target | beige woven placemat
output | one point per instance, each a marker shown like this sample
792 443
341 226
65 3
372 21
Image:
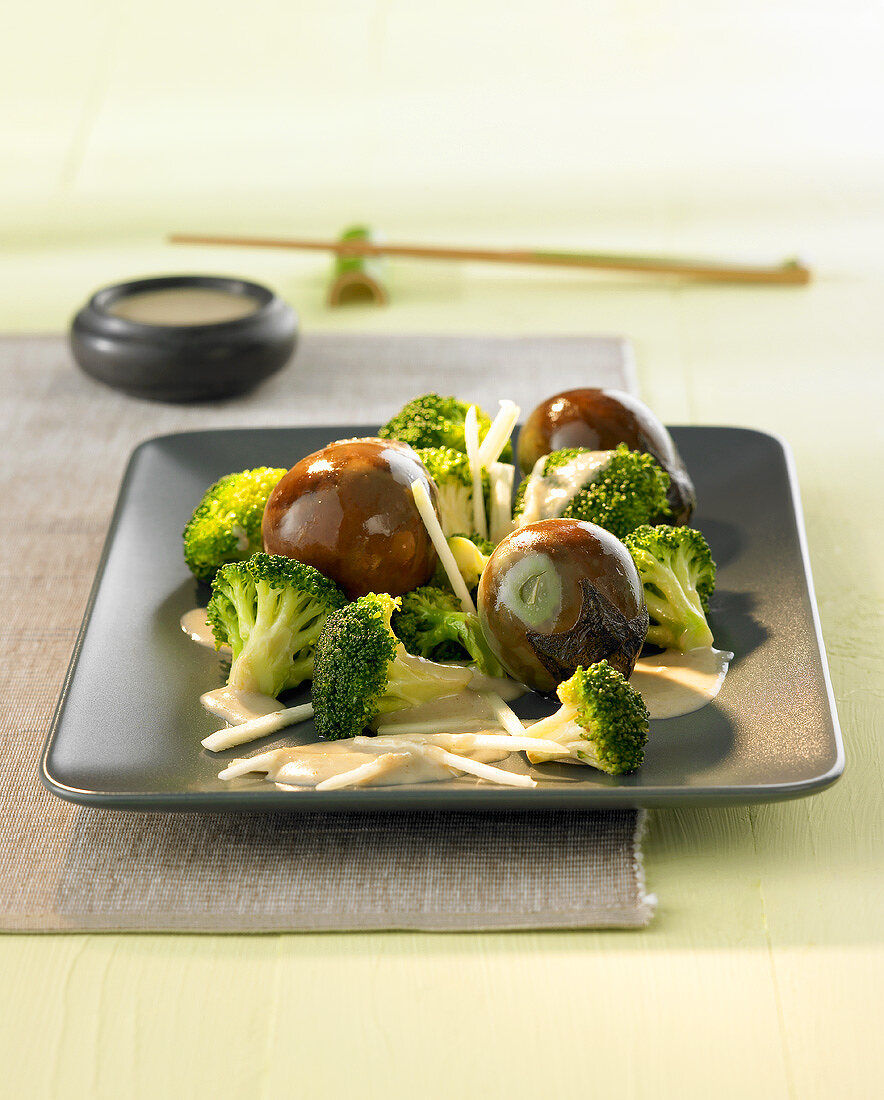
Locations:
65 443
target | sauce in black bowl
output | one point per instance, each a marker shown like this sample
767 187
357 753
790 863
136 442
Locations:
184 337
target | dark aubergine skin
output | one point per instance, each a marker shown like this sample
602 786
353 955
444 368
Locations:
560 594
598 420
348 511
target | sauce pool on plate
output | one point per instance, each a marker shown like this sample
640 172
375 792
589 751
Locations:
674 683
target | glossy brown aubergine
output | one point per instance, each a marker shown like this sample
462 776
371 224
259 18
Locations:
559 594
348 510
599 419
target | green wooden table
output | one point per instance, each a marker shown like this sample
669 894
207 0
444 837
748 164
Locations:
743 129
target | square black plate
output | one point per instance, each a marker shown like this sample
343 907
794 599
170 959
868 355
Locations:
128 726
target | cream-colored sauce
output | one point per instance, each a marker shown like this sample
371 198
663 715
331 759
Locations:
506 688
196 626
235 706
456 676
671 684
409 768
308 765
454 712
674 683
184 305
547 497
466 711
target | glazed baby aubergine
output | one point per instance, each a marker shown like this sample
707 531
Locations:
599 419
558 595
348 511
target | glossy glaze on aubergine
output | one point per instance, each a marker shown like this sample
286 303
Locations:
559 594
348 511
599 419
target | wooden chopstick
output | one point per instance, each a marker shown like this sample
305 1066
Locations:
791 272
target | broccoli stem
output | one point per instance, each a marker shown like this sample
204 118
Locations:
471 435
677 612
563 728
282 616
413 679
455 508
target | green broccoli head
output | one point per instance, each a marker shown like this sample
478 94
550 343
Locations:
226 525
629 489
450 470
446 465
435 421
431 623
602 721
270 610
678 575
362 670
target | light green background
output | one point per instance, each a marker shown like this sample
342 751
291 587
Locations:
734 130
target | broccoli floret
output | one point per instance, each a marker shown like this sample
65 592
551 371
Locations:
435 421
602 721
450 470
470 555
431 623
628 492
226 525
363 670
270 610
623 494
445 464
678 574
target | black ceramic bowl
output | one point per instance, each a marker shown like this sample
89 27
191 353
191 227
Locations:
184 362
